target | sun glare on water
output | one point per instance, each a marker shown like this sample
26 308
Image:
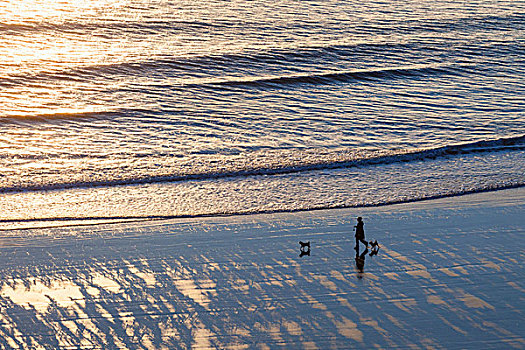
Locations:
43 41
27 11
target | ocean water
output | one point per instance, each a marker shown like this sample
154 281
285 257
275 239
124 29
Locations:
117 110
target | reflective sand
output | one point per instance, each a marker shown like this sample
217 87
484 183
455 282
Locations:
448 275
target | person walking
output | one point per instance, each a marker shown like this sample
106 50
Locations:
360 233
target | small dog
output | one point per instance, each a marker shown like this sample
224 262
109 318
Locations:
375 248
305 248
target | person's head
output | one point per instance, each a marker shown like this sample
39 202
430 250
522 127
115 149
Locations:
359 219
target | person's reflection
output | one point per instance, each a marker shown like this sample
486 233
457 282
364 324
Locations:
360 258
360 262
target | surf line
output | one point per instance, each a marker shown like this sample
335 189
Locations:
107 220
498 145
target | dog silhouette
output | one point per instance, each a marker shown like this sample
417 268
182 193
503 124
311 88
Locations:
375 248
305 248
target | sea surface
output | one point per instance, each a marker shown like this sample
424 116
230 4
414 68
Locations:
115 110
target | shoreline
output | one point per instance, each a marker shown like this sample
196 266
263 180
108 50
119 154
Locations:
111 220
448 275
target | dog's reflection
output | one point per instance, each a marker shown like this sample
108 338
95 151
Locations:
305 248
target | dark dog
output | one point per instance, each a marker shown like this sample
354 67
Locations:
305 248
374 244
375 248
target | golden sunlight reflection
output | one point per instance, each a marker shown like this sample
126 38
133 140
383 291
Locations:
28 11
44 48
101 281
50 42
40 294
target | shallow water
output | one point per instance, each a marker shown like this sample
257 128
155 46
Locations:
144 108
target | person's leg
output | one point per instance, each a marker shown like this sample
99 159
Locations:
364 242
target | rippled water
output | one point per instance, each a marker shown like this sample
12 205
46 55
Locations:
137 108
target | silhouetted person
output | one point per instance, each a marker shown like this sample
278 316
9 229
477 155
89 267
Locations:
360 233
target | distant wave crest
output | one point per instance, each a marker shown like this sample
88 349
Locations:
334 76
56 116
298 64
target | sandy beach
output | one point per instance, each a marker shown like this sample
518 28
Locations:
448 275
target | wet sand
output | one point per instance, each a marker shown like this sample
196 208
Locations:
449 274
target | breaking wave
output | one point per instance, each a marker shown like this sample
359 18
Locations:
65 221
382 158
